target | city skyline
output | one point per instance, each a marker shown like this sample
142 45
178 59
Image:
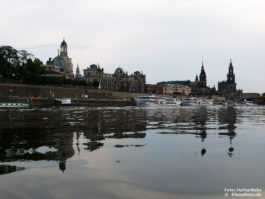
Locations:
165 39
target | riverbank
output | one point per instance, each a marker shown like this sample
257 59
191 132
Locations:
43 96
37 91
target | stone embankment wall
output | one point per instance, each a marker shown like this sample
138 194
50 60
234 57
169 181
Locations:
82 102
27 91
43 96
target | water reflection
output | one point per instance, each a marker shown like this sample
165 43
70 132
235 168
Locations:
54 130
23 135
227 119
5 169
167 149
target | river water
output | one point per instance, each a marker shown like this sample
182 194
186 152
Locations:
132 152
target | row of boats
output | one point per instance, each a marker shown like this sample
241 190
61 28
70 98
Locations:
189 101
62 101
143 100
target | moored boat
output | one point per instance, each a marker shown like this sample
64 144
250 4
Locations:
205 102
146 100
14 105
188 102
169 101
64 101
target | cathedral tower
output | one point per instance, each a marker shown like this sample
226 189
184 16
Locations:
63 50
203 81
77 73
231 75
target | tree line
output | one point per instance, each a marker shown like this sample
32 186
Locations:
19 66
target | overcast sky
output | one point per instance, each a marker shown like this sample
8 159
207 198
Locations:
166 39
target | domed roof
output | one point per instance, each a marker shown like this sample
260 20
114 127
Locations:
137 73
59 62
118 71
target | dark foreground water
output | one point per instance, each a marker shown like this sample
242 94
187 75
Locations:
132 152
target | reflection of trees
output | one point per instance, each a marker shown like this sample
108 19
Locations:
23 135
23 144
5 169
227 118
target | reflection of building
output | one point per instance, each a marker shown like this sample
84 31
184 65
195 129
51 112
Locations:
228 116
228 87
60 66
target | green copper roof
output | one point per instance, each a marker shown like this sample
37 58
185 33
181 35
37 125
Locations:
59 62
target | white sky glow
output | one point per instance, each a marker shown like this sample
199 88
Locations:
165 38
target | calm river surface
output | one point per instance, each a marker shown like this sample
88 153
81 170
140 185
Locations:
131 152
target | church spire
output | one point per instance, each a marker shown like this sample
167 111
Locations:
231 75
203 76
77 73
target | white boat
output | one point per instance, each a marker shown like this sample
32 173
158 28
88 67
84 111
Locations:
146 100
169 101
189 102
64 101
205 102
14 105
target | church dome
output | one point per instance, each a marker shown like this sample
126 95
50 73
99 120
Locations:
118 71
59 61
137 73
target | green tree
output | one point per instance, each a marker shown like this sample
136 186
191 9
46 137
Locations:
9 61
32 70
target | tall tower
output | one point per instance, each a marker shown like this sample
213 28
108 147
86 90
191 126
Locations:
231 75
203 81
63 51
196 79
77 73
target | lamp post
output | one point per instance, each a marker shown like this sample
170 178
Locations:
10 91
51 94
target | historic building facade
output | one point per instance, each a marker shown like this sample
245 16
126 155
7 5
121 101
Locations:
93 73
197 87
154 88
228 88
176 89
119 81
61 65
